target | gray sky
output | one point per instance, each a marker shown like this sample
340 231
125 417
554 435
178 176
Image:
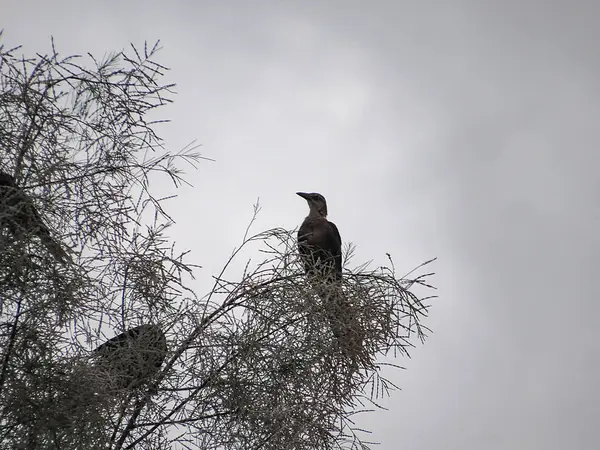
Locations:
468 130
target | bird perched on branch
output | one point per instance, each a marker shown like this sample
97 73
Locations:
133 357
319 241
320 246
19 216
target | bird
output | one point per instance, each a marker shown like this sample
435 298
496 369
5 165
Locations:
133 357
319 241
19 216
320 247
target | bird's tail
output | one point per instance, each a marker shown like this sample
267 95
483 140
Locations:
345 326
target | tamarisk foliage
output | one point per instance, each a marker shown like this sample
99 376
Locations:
249 363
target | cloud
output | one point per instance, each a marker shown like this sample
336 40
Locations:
471 128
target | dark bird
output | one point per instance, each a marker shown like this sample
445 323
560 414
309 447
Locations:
19 216
319 241
133 357
320 246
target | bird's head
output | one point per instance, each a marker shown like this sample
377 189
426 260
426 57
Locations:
316 203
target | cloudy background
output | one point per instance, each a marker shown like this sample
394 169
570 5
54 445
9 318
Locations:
463 130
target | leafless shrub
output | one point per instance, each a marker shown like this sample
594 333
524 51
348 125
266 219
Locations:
252 364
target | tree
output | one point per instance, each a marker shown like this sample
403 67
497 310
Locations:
251 364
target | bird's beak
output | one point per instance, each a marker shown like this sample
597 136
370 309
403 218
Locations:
304 195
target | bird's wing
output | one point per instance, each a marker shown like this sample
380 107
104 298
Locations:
336 233
337 254
304 249
303 236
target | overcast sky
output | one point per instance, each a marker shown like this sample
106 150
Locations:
465 130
